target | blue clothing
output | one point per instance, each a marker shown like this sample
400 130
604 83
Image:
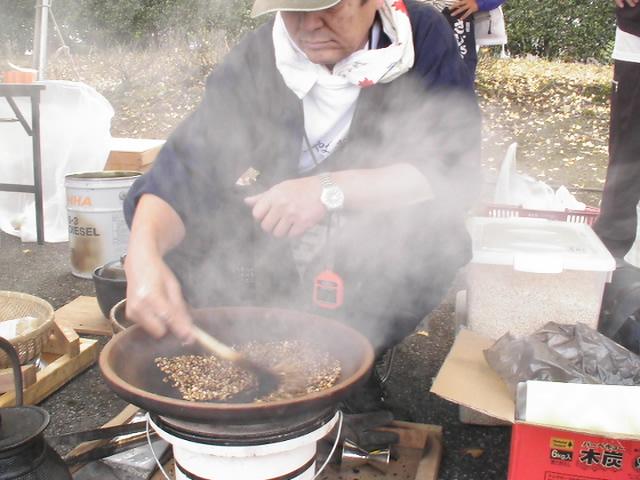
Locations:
249 118
486 5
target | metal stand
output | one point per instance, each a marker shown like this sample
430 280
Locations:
9 91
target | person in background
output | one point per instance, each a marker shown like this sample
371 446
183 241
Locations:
460 14
617 224
324 171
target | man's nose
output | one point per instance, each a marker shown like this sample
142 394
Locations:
311 21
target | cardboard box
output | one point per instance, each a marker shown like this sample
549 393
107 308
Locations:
538 452
133 154
555 454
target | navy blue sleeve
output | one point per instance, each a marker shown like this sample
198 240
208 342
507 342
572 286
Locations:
486 5
438 58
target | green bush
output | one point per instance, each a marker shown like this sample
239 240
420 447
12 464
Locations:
571 30
125 22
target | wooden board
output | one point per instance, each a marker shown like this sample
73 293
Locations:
133 153
7 382
84 315
59 370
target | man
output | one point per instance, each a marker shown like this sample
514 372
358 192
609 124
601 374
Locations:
357 120
461 17
616 225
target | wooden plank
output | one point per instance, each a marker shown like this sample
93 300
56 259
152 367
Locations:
84 316
56 374
63 340
169 467
7 382
429 465
121 418
133 153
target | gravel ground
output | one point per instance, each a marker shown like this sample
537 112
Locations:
470 453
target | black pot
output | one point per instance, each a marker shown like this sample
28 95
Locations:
24 454
111 285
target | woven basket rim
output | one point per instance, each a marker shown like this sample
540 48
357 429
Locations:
46 324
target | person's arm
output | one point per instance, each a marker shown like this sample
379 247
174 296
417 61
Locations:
154 295
291 207
631 3
486 5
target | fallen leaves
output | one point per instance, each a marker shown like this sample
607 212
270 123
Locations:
557 112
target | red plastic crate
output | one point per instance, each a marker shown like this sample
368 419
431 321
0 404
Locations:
587 216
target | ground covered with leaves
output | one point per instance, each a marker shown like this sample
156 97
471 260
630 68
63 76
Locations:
557 112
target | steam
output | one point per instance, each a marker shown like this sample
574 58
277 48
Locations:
396 264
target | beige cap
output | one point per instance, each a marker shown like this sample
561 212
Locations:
260 7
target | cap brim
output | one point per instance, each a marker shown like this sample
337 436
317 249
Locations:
260 7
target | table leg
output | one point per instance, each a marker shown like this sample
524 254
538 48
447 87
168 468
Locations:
37 165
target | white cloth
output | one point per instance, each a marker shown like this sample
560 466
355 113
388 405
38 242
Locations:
489 28
329 97
627 47
75 122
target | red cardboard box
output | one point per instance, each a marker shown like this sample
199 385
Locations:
543 453
538 452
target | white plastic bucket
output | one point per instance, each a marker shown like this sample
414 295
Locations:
293 459
98 232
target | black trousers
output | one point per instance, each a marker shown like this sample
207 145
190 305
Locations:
617 223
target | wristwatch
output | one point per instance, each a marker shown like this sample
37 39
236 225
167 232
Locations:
332 195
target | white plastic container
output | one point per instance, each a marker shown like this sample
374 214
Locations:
526 272
98 232
293 459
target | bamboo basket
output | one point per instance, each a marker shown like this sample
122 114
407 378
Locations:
14 305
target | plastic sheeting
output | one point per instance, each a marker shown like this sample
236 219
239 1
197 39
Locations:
563 353
75 122
513 188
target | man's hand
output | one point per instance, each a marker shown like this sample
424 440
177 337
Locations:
154 296
631 3
465 8
289 208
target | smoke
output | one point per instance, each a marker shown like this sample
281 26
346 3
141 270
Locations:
396 263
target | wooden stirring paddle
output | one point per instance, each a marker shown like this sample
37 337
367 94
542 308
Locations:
268 380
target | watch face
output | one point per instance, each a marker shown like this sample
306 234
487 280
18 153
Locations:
332 197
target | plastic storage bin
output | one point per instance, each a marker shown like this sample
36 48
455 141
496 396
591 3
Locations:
526 272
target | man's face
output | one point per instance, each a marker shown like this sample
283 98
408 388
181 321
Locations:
328 36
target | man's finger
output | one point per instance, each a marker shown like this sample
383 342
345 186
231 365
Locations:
148 317
282 228
180 321
260 209
458 11
466 15
270 221
251 201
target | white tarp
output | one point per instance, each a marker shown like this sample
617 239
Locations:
75 122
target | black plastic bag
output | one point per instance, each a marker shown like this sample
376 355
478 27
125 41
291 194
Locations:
563 353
